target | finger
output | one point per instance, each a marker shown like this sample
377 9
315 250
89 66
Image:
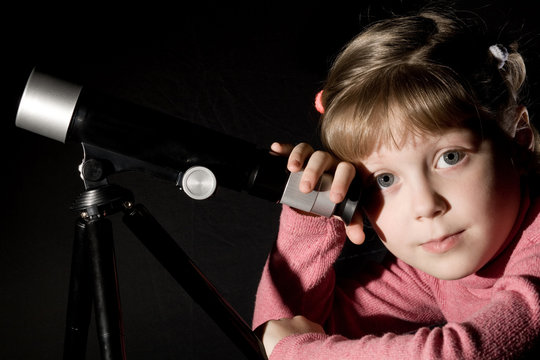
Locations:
355 230
298 156
281 148
343 176
318 163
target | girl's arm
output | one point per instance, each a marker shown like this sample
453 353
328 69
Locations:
298 276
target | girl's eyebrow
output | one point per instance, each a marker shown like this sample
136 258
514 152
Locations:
468 136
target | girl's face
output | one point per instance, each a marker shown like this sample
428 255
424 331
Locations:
444 204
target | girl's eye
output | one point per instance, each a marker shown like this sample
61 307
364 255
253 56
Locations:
449 158
385 180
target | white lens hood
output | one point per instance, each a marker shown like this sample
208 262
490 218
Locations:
47 106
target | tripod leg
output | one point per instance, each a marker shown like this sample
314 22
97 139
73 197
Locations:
79 300
185 272
102 261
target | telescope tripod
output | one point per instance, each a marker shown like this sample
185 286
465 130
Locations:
94 277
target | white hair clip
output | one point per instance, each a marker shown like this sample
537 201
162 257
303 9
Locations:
500 53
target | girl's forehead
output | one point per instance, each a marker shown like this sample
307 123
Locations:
398 130
398 127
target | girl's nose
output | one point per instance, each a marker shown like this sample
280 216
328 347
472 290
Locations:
427 203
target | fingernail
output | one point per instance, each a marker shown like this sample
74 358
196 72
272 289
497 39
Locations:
295 164
305 186
336 197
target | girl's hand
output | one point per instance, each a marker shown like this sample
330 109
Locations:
275 330
319 162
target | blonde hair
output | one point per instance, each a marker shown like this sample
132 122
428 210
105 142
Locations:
435 72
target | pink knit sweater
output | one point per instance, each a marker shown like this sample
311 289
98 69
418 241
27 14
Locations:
393 311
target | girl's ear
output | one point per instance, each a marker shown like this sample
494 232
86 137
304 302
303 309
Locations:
521 129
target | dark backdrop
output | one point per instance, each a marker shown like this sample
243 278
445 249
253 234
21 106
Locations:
250 71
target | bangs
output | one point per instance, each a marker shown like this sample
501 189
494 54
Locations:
390 105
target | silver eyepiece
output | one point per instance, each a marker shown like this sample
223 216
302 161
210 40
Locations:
317 202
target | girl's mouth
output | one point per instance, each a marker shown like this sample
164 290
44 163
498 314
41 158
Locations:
442 244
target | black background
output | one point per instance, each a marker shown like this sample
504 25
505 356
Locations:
247 70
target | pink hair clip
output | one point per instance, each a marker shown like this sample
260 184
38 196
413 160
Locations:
318 102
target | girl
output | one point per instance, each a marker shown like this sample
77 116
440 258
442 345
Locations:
426 110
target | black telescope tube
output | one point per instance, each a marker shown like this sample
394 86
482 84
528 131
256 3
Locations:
173 143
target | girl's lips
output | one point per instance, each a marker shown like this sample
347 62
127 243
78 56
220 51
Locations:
442 244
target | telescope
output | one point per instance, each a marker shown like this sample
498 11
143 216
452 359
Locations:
125 136
118 136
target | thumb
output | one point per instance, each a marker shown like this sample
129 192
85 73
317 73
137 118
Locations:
355 230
